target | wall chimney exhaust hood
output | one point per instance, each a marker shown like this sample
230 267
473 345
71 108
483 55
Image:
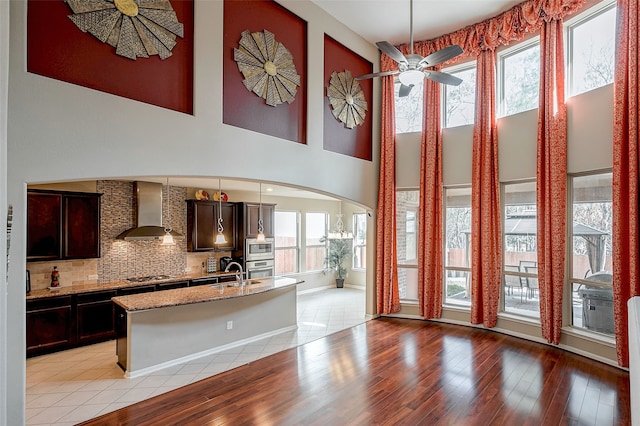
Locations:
148 214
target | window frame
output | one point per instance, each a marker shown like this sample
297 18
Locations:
500 83
324 244
569 26
455 69
298 239
356 236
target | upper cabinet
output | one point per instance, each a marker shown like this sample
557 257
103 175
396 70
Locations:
62 225
202 225
252 215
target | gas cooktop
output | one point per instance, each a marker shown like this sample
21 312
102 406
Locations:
148 278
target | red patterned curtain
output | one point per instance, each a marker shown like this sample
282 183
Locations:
430 256
388 298
486 231
551 178
626 171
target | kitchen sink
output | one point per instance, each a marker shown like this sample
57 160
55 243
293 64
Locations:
243 283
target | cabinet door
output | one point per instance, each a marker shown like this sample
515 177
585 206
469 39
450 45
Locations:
201 226
135 290
44 226
169 286
49 325
81 226
252 215
95 315
229 225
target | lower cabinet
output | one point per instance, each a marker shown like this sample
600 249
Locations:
50 325
169 286
94 313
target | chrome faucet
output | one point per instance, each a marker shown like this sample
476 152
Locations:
238 275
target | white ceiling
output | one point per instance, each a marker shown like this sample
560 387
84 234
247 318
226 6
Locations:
389 20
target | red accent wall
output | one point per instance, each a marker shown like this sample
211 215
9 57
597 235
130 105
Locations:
242 108
56 48
356 142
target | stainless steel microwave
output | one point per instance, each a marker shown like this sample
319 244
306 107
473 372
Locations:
263 250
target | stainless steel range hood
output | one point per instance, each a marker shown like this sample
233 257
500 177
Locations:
148 214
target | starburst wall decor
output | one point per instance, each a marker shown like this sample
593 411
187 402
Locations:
348 104
136 28
267 67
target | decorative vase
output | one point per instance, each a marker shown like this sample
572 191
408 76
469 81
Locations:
339 282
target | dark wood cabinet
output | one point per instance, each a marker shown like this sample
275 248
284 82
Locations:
203 281
202 225
49 324
135 290
94 314
62 225
252 215
171 285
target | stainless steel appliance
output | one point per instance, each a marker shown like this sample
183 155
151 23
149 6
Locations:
255 250
260 268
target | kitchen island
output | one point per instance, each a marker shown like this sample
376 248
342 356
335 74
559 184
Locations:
165 328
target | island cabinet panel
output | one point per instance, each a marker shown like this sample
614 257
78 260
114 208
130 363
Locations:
62 225
95 312
121 336
252 215
49 325
202 225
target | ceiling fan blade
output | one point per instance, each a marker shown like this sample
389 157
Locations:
443 77
376 74
391 51
404 90
441 56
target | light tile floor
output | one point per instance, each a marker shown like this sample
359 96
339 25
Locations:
68 387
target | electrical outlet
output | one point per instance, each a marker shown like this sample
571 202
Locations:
93 277
229 325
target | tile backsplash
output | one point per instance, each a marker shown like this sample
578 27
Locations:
123 259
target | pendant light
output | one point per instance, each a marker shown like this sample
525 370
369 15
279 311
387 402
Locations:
339 232
220 239
260 237
167 239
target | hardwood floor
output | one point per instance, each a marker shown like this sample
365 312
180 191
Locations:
396 371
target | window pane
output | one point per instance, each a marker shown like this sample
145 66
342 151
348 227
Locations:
459 101
409 109
315 230
406 243
287 244
521 294
592 296
521 79
359 241
458 246
592 52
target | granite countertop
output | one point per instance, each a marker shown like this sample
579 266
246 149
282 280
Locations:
114 285
204 293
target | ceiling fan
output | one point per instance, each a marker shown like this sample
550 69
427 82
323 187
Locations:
412 68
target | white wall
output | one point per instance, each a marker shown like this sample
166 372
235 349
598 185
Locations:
58 131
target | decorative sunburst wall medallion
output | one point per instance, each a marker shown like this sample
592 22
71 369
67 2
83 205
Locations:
348 104
267 67
136 28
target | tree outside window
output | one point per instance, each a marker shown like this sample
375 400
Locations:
459 101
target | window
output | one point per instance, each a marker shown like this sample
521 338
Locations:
359 260
409 109
519 78
407 243
457 246
591 50
287 242
521 295
459 101
316 248
591 290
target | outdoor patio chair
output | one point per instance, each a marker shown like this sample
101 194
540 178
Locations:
532 282
511 281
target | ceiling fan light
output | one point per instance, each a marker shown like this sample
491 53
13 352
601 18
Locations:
411 77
